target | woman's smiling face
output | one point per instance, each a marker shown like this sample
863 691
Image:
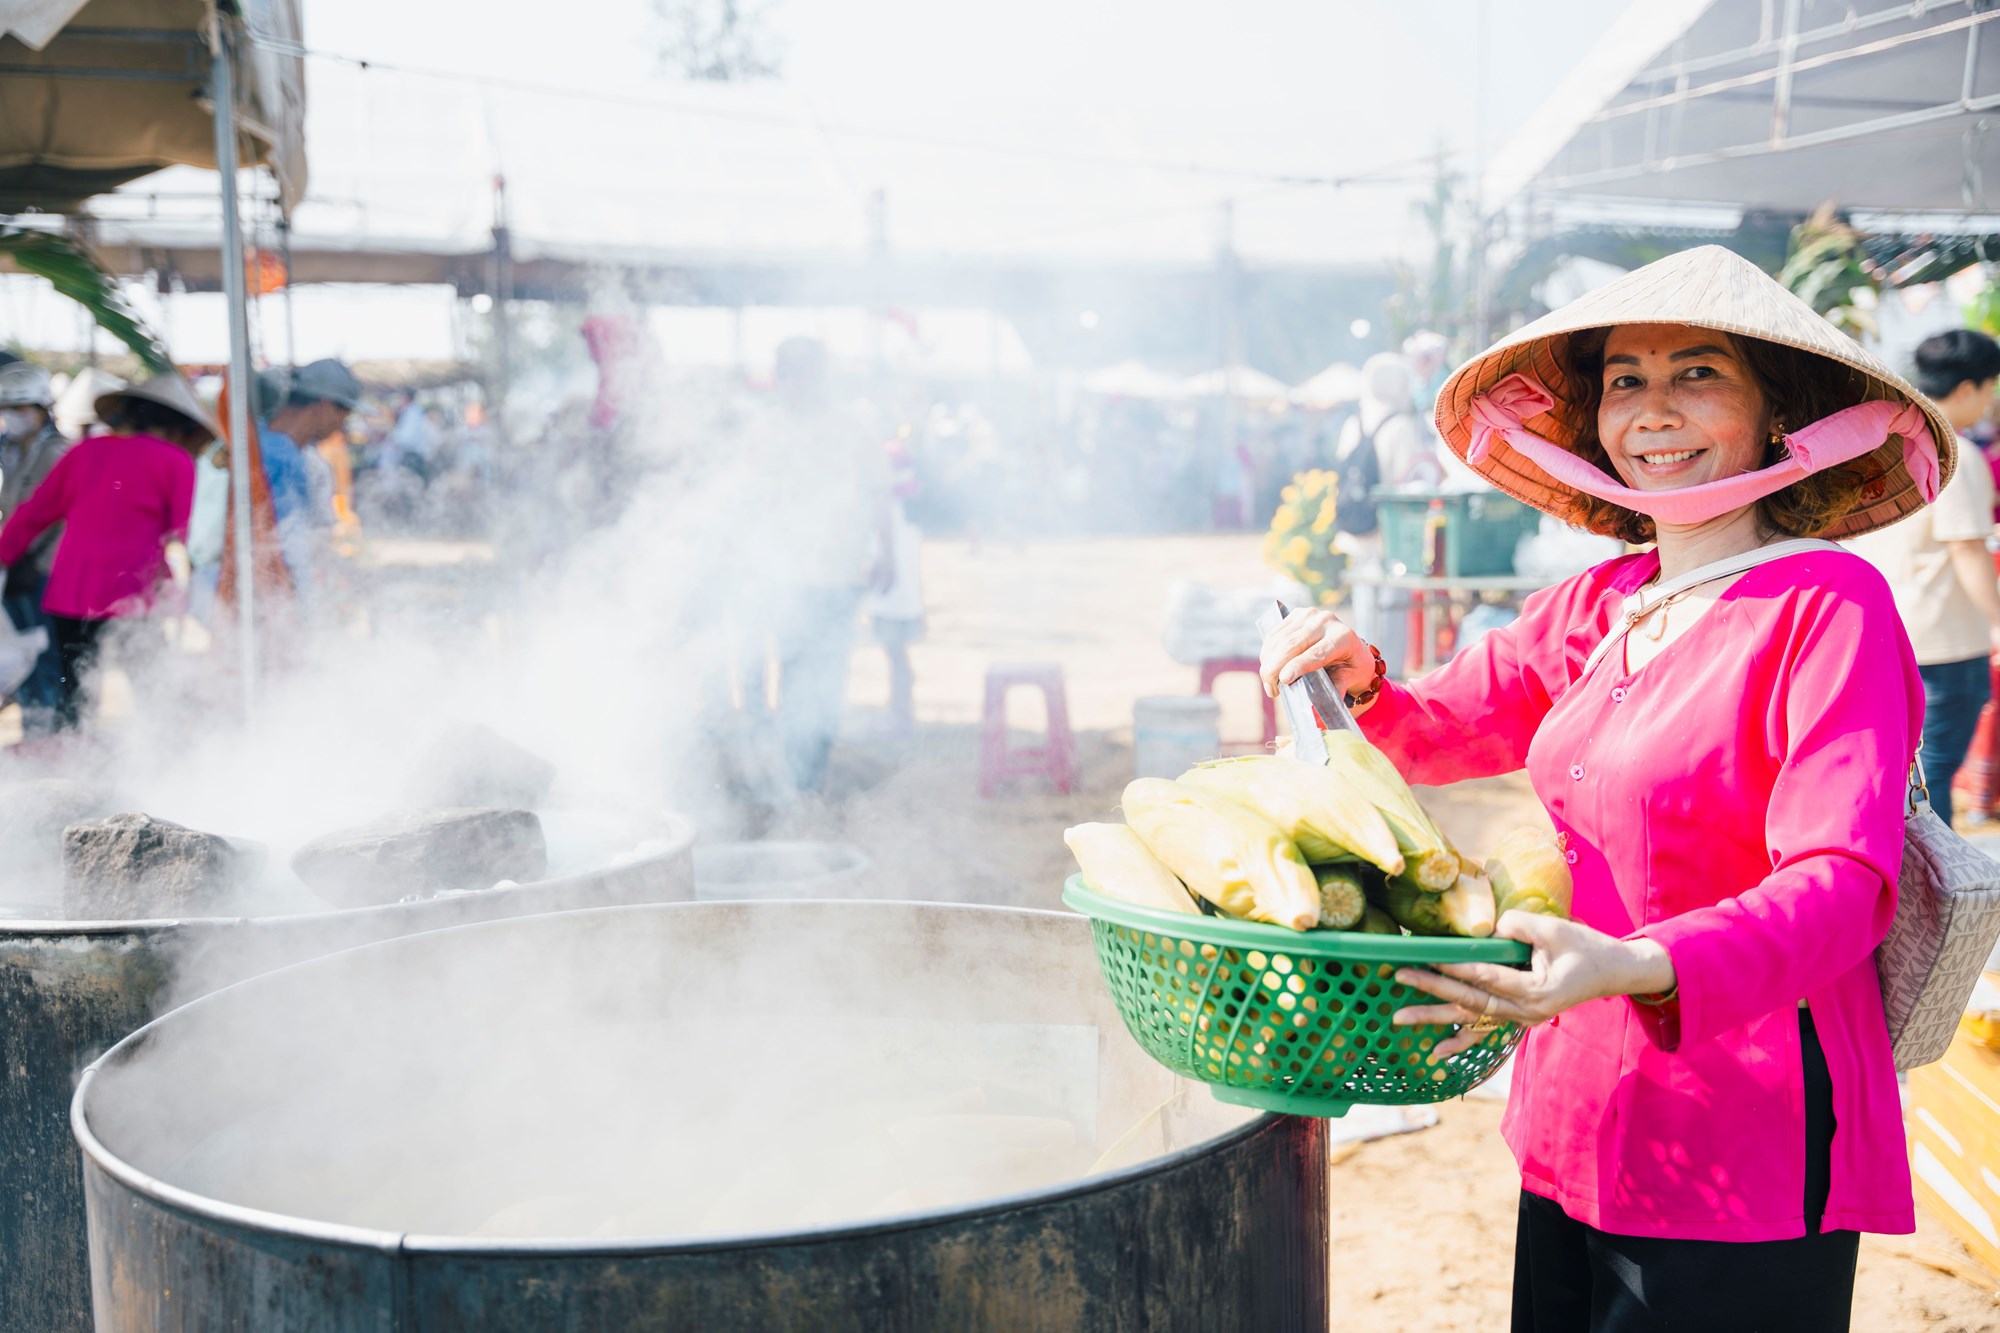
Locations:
1679 408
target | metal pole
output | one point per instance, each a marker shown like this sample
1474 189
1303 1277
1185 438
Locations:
291 329
503 303
222 90
1480 314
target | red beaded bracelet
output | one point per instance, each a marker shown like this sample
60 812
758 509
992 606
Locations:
1375 686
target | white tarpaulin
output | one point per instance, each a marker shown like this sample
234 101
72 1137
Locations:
94 93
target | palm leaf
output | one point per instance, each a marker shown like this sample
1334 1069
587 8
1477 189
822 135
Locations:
76 275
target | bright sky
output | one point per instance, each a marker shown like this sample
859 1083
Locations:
1305 87
1060 92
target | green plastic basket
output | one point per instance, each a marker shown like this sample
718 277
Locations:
1284 1020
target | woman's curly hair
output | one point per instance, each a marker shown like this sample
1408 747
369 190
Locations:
1798 387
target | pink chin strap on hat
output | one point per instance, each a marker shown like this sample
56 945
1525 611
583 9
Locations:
1840 438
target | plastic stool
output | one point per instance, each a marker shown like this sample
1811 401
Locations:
1055 757
1225 666
1976 785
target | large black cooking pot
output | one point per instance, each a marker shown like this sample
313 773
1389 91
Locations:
828 1116
69 989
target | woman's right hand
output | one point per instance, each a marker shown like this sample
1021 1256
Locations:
1308 640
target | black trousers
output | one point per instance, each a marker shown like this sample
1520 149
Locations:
1572 1278
76 644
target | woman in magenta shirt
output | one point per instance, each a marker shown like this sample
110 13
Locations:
1705 1111
122 497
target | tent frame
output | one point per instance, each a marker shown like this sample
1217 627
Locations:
1783 42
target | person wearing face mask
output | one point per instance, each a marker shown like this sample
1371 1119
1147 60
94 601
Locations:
30 446
1939 568
1721 729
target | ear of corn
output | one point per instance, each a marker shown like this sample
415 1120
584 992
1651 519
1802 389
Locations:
1468 907
1118 865
1464 909
1238 860
1341 899
1530 873
1429 859
1375 921
1329 819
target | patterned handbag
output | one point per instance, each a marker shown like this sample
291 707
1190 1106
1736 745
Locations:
1947 920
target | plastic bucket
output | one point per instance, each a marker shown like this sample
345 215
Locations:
738 871
1173 733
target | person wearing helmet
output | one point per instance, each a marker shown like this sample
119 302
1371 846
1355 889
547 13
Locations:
122 497
315 405
30 444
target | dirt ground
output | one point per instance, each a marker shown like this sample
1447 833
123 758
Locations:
1098 608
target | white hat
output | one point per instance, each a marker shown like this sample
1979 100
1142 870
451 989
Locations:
25 384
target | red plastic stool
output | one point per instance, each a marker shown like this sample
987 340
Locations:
1055 757
1224 666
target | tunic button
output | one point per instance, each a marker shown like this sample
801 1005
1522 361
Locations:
1576 770
1570 857
1618 695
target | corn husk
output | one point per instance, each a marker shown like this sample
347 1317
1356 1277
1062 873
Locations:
1530 873
1327 818
1375 921
1238 860
1118 865
1429 859
1465 909
1342 901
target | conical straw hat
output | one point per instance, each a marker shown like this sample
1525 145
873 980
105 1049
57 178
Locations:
168 390
1711 288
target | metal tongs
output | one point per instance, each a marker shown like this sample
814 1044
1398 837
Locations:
1311 701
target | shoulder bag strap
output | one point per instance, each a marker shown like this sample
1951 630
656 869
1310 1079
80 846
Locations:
1643 600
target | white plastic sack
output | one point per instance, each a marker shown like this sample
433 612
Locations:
1205 623
18 652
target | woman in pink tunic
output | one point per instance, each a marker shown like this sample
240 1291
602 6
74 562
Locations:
122 497
1705 1111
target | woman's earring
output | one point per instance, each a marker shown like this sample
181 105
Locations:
1778 434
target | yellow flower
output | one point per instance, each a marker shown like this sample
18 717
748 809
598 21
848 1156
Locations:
1324 521
1312 576
1296 551
1290 492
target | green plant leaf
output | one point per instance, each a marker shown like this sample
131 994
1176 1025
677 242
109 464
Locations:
71 271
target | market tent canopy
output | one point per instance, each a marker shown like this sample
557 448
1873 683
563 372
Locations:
94 93
1132 379
1245 382
1339 383
1874 104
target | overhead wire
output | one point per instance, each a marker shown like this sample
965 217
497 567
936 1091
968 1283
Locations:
1387 173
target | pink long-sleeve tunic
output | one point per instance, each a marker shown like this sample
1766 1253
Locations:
122 497
1740 800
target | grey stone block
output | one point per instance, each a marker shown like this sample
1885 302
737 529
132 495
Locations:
134 867
418 853
471 765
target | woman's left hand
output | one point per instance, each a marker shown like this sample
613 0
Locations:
1571 963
